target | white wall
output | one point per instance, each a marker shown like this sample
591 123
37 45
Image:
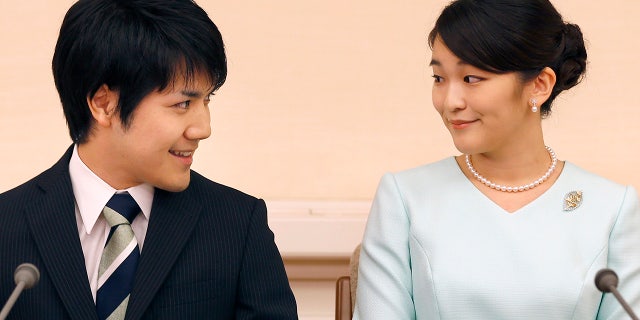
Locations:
323 97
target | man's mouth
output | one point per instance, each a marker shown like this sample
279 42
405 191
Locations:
181 153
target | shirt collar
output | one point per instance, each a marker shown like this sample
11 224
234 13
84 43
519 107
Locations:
92 193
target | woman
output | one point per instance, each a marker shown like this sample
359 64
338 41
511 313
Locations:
506 230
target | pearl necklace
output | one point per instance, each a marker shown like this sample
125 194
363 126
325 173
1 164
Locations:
485 181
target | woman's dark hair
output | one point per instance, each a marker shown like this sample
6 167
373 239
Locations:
134 47
523 36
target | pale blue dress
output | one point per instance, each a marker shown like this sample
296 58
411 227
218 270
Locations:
435 247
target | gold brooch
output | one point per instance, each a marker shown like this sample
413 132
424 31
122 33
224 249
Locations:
572 200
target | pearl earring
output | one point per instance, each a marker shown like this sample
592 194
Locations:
534 108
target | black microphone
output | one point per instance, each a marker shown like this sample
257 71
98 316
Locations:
607 281
26 276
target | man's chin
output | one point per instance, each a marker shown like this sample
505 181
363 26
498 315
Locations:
175 186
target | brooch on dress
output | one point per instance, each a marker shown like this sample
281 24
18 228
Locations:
572 200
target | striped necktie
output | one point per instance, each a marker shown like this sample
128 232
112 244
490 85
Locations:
119 258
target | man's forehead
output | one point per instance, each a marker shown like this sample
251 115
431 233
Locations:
195 83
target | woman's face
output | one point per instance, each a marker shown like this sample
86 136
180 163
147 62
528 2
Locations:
483 111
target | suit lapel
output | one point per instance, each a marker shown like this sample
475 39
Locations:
51 217
172 220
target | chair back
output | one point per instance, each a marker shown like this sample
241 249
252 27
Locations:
346 287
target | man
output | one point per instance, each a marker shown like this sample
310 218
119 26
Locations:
135 78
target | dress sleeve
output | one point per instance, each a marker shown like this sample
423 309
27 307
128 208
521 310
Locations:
624 259
384 275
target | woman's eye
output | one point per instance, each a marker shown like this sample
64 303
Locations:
472 79
437 79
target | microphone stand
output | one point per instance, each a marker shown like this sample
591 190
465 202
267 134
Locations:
12 299
607 281
25 276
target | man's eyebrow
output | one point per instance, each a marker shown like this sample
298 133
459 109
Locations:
191 94
197 94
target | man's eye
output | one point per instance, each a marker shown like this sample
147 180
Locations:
183 104
437 79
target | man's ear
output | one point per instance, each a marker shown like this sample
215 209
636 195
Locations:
103 105
542 85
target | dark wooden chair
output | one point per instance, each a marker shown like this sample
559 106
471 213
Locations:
346 289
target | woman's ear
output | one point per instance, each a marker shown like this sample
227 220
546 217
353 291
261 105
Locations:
543 85
103 105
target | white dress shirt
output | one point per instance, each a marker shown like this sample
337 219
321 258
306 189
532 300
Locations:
92 194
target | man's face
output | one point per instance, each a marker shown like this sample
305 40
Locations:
163 135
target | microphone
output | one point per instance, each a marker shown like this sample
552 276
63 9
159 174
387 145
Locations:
26 276
607 281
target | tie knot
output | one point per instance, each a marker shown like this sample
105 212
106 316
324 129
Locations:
123 205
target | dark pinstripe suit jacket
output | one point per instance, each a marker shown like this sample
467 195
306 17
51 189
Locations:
208 254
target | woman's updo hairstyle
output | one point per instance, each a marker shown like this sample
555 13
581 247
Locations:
524 36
